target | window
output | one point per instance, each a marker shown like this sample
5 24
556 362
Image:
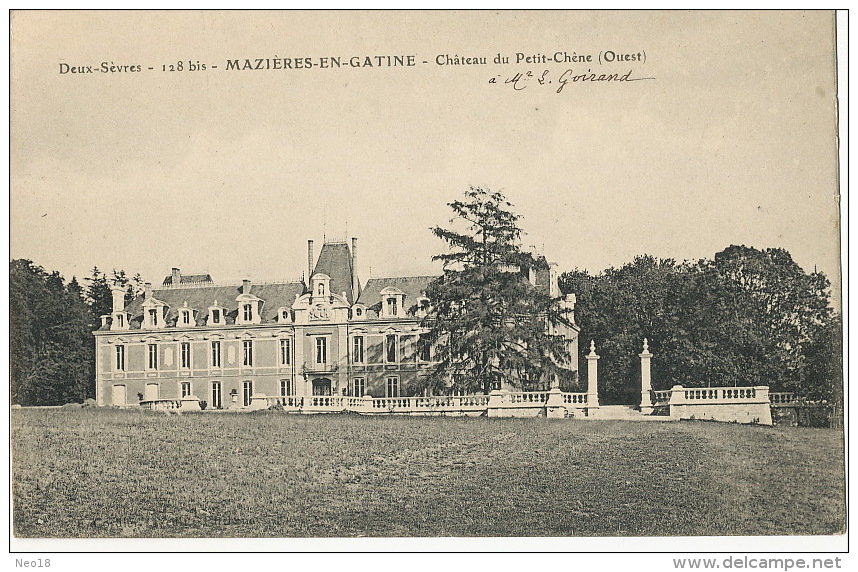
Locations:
424 349
217 401
287 387
215 316
186 317
216 354
247 314
284 315
153 317
390 354
186 388
247 392
321 350
153 356
320 290
392 386
120 358
358 312
391 306
185 355
359 387
120 320
248 353
357 349
285 351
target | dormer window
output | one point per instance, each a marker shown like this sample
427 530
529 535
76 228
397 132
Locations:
392 301
185 317
249 307
284 316
153 313
217 316
321 288
120 321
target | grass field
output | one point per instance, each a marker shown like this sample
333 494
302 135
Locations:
107 473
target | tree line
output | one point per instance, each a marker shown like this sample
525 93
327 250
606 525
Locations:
746 317
51 347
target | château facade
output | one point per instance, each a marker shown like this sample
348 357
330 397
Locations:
230 345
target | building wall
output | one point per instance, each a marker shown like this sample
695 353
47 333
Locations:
267 371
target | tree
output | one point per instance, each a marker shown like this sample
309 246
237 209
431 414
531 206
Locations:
51 323
487 323
747 317
620 307
50 337
98 295
770 311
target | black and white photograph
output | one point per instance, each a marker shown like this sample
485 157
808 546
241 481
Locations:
507 280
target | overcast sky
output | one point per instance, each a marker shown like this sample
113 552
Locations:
230 172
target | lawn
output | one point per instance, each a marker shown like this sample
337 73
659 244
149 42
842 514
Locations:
110 473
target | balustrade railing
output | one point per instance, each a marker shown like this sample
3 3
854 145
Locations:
575 398
439 403
662 396
159 404
701 394
712 394
526 397
173 403
783 398
739 393
325 401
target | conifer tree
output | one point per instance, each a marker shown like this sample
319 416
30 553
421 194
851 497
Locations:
487 323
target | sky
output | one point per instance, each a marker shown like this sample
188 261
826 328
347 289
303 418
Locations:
230 171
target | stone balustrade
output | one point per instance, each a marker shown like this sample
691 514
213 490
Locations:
732 404
498 403
783 398
552 403
525 397
175 404
575 398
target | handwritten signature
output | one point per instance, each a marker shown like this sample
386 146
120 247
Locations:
521 80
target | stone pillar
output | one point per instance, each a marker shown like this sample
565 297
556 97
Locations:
554 406
592 377
496 398
646 380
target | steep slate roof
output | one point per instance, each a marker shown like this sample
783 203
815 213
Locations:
189 279
413 287
335 260
201 297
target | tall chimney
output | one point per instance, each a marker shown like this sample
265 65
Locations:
309 260
355 283
118 298
147 290
177 277
245 286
